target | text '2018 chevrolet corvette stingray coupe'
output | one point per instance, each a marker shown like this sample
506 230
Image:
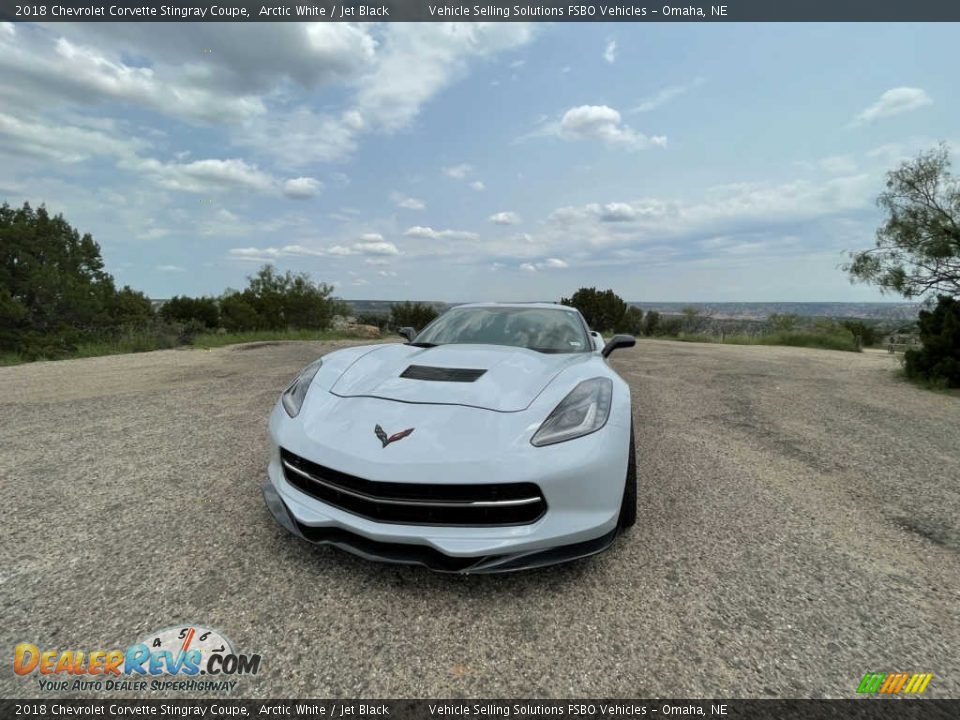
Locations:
496 439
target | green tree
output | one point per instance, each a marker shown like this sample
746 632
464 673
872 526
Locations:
917 250
691 319
289 300
237 312
54 290
651 323
864 334
783 322
631 322
202 311
603 310
411 314
938 360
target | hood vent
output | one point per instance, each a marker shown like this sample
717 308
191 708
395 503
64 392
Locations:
441 374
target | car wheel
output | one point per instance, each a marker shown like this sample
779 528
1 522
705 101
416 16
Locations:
628 506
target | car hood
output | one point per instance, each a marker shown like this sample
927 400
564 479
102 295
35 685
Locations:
510 380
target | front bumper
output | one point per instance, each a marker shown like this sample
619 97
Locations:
582 482
405 553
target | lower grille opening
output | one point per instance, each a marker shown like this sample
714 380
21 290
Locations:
416 503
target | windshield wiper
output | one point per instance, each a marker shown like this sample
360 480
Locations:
422 344
548 351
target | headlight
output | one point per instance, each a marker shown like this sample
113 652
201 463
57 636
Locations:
293 396
583 411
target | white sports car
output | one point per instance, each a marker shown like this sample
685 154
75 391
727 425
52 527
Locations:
496 439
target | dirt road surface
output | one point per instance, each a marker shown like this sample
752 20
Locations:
799 526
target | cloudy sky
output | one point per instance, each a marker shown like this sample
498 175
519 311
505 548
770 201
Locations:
474 162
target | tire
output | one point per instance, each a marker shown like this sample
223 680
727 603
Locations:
628 506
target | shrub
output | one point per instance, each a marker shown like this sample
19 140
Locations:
631 322
938 358
410 314
651 323
202 310
380 320
865 334
603 310
237 312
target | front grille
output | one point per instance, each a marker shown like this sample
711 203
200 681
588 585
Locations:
441 374
416 503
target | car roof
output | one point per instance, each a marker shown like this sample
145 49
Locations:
525 305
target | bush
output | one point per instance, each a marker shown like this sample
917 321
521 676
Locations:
631 322
669 327
865 334
237 312
289 301
380 320
651 323
783 322
603 310
410 314
938 359
202 310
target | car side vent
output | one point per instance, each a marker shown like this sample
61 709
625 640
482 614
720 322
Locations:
441 374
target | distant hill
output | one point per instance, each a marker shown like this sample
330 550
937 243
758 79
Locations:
762 310
725 310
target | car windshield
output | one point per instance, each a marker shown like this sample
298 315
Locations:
540 329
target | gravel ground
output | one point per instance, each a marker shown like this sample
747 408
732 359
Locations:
799 526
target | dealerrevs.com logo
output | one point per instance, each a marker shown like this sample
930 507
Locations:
183 658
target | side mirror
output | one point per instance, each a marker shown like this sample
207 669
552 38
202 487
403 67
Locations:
409 333
618 341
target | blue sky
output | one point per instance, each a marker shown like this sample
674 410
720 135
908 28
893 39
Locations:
474 162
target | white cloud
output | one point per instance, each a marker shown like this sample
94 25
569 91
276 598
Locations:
893 102
170 268
406 202
90 71
597 122
428 233
7 28
386 273
273 253
725 209
664 96
478 186
61 143
504 218
375 247
617 212
250 80
205 175
367 244
370 244
302 188
458 172
417 60
548 264
610 52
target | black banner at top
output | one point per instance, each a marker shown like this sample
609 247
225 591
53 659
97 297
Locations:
480 11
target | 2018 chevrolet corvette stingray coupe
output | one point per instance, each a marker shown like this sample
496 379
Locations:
496 439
